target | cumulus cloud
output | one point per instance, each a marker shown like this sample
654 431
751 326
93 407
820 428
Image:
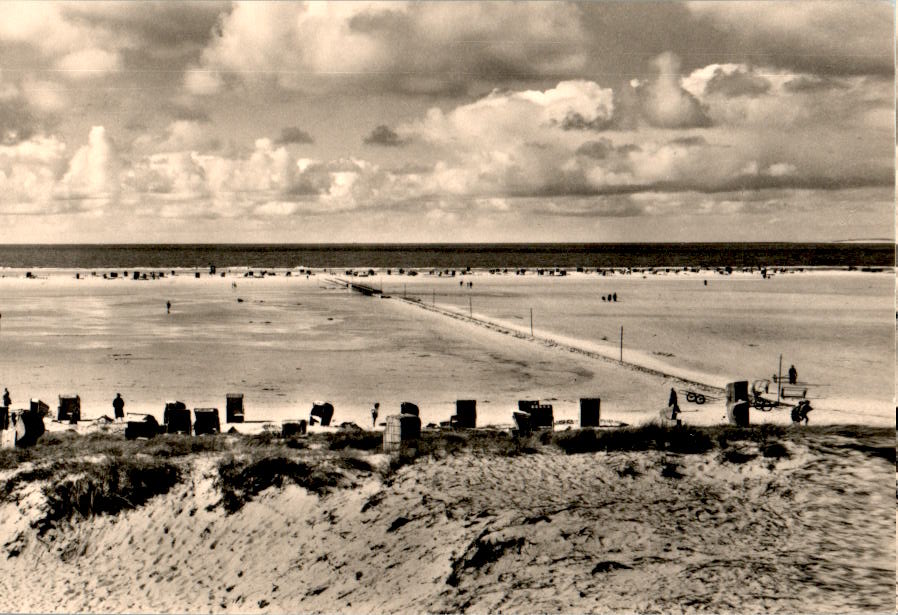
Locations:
418 48
293 134
665 103
92 175
384 136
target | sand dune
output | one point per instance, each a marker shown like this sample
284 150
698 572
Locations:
477 532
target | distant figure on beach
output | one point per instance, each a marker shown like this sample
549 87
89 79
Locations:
374 413
793 375
800 412
470 284
168 307
6 399
118 404
614 296
672 403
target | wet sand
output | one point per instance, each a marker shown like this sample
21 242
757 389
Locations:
286 342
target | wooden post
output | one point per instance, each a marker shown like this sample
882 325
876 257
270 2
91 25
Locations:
403 291
621 343
470 309
779 381
433 300
531 322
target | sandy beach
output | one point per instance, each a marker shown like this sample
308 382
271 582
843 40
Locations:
777 518
285 341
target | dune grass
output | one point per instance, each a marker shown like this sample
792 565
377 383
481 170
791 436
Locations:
85 489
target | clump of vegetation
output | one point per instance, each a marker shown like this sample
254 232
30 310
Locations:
107 487
775 450
652 436
732 455
359 440
241 479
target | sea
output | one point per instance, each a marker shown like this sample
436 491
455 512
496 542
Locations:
459 256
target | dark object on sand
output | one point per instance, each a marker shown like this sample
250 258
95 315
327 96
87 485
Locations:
293 428
234 409
590 408
39 407
176 418
147 428
206 421
408 407
465 414
69 409
800 412
323 411
737 391
401 431
541 415
522 422
29 425
737 403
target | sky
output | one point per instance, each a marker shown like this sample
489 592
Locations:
446 122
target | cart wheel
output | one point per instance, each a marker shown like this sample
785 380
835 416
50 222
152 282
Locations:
699 399
690 396
766 407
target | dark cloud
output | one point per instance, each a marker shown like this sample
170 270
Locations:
177 111
384 136
813 83
690 141
575 121
17 123
826 38
737 83
293 134
596 149
158 25
412 168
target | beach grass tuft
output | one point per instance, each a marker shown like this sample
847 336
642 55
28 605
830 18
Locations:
114 484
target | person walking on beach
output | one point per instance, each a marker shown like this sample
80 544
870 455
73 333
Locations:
793 375
7 401
168 307
374 413
118 404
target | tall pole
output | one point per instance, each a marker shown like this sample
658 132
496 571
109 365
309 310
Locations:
433 299
779 381
470 309
531 322
621 343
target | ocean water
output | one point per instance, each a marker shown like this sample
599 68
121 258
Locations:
482 256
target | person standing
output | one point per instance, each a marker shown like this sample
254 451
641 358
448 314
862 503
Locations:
118 404
673 405
7 401
374 413
793 375
168 307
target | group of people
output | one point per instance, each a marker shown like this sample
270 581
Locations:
611 297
